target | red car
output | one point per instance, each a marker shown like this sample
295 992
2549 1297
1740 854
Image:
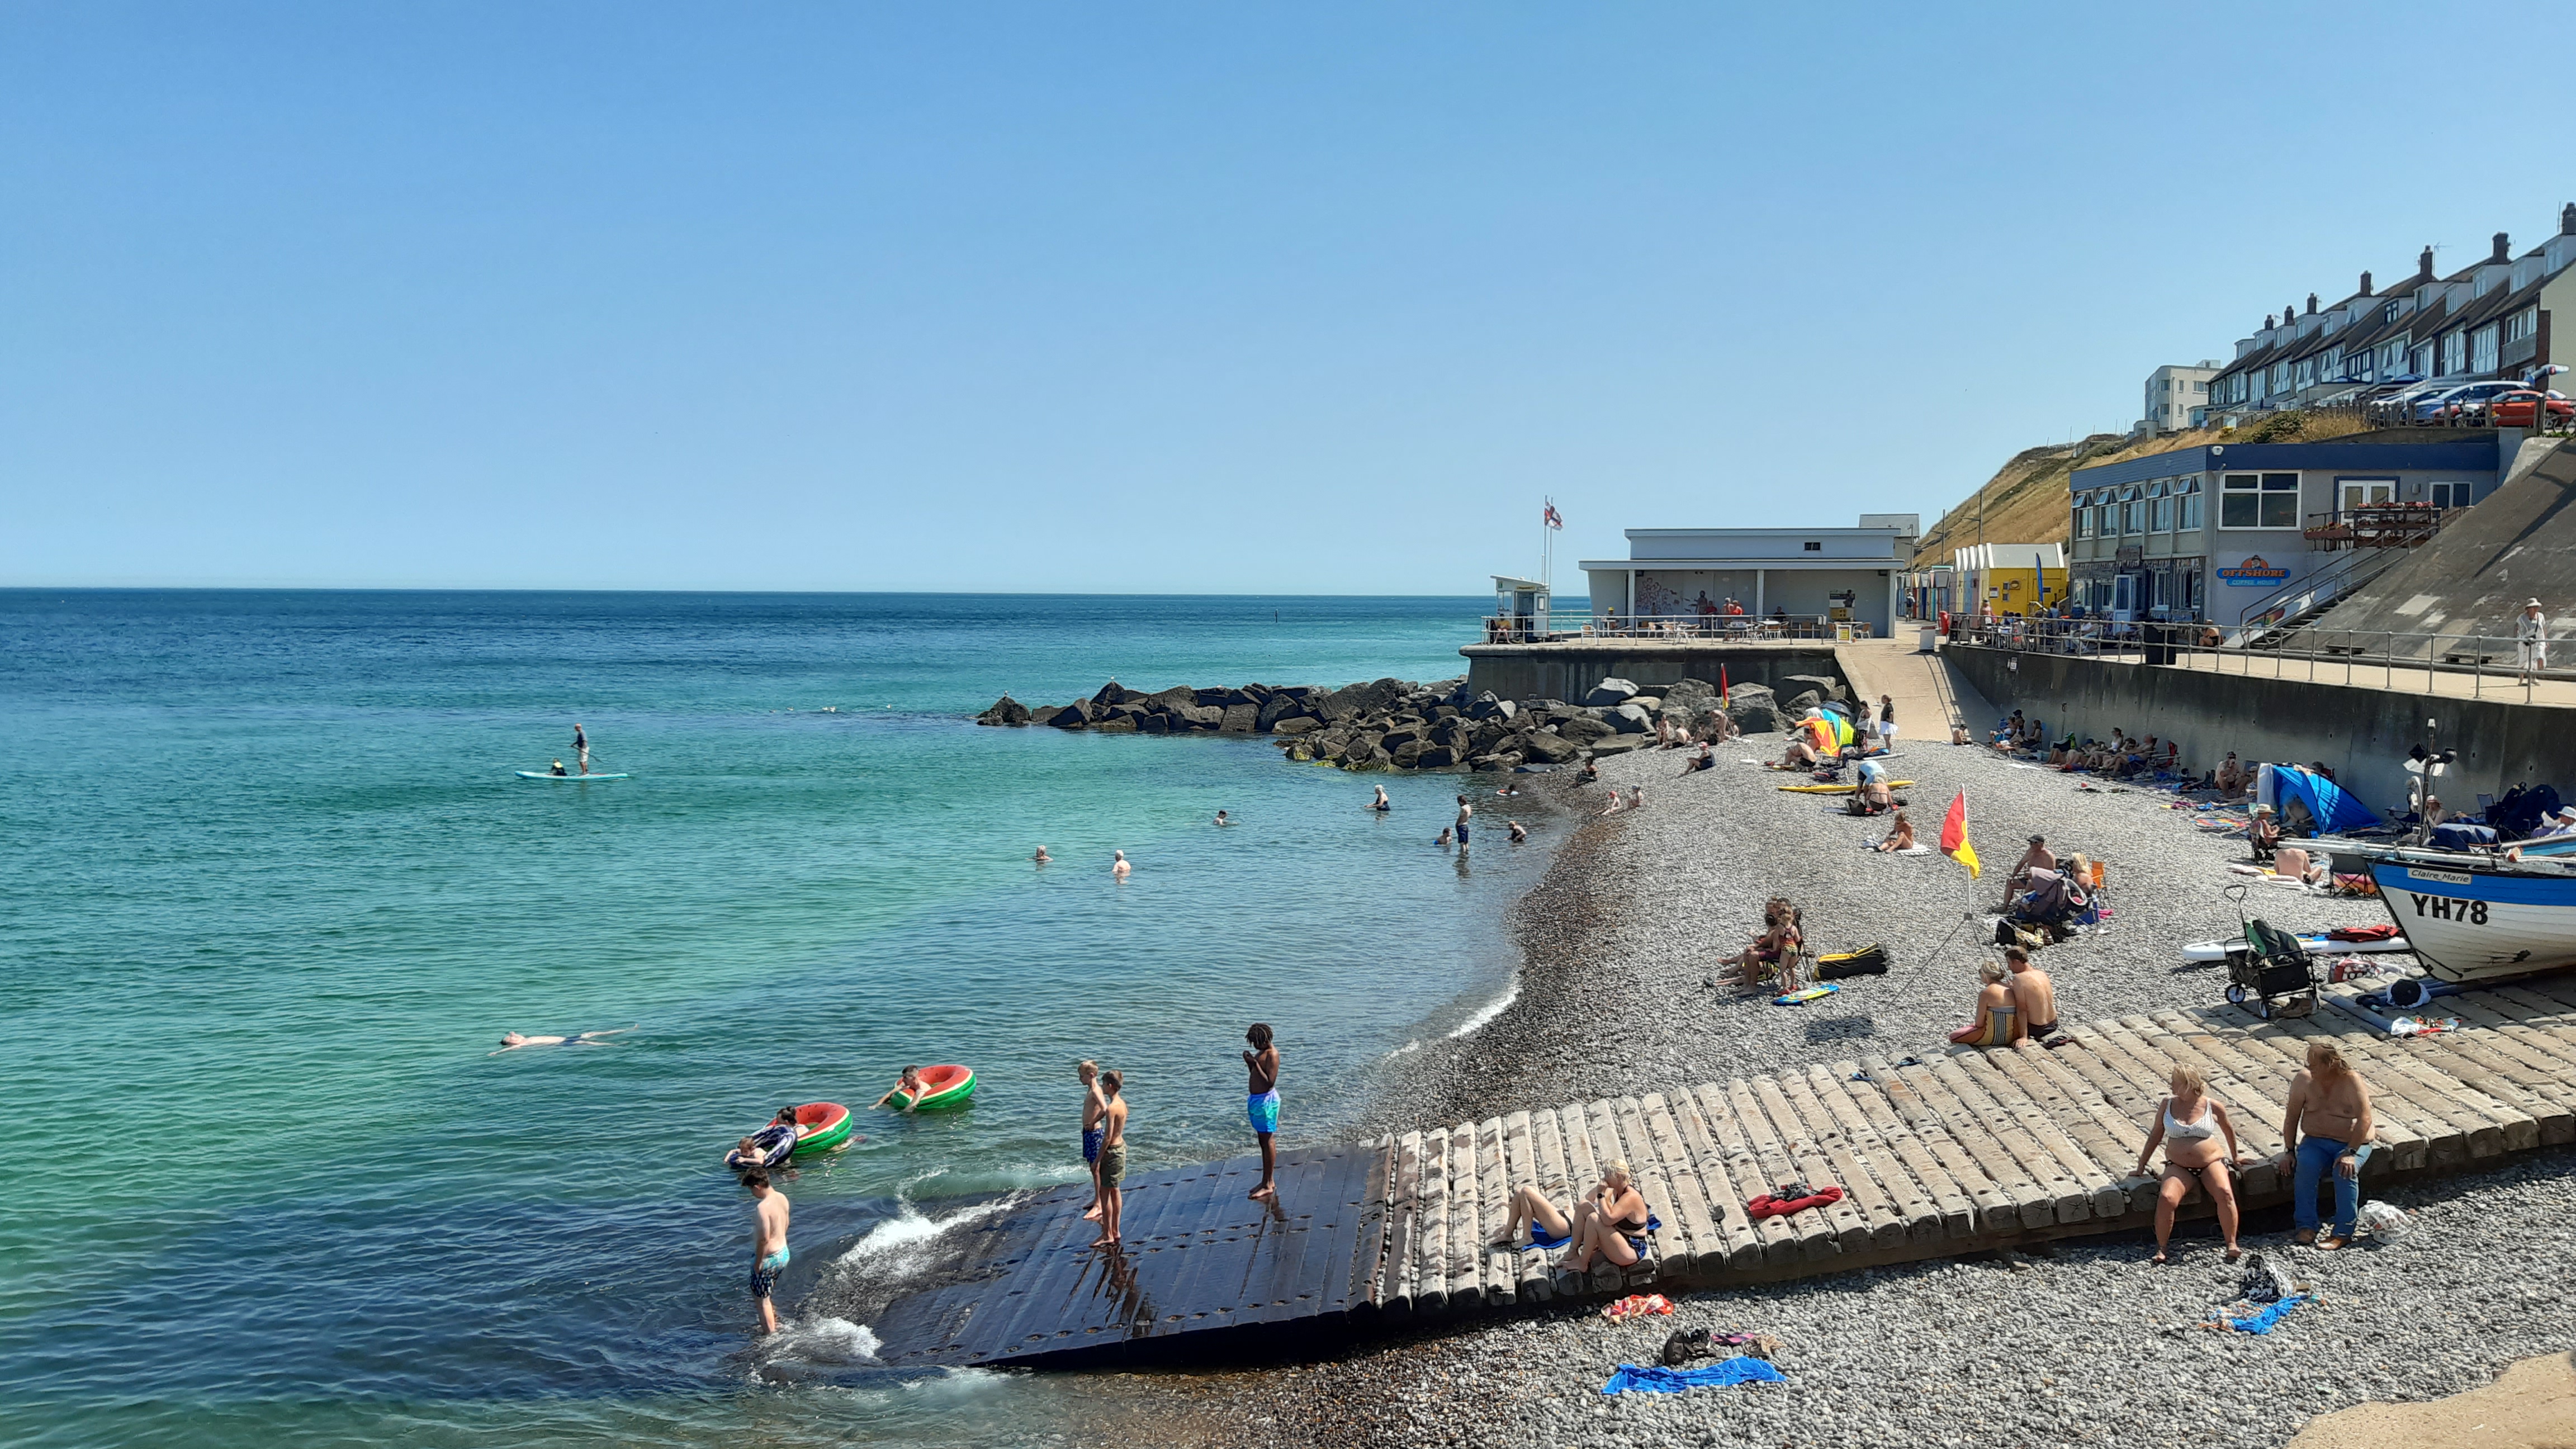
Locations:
2514 409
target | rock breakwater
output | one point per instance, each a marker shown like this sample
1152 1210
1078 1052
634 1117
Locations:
1394 724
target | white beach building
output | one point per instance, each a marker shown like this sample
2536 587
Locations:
1817 575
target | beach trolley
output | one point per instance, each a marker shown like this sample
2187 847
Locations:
2271 969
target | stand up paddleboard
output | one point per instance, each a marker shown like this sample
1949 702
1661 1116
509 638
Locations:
2314 945
551 775
1841 789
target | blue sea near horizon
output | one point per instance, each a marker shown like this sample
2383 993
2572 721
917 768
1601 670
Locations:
275 890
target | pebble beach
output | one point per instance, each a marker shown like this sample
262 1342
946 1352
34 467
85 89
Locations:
1623 991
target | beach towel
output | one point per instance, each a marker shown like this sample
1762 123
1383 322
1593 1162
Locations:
1659 1380
1770 1205
2264 1319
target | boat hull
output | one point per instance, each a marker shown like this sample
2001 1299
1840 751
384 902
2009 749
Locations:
2468 924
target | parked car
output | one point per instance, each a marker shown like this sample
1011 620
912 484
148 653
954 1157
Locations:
2463 406
2399 405
2514 409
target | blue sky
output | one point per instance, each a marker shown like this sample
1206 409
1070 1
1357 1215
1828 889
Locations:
1142 298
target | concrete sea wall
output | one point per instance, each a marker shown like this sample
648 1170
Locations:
2362 734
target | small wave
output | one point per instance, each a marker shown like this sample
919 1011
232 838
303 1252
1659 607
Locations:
1485 1017
1411 1046
910 1228
827 1341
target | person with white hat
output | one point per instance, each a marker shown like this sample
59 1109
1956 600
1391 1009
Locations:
2531 640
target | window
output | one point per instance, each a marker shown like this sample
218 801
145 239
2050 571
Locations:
1815 548
2482 349
2084 522
2449 495
2187 512
2362 492
2455 354
2133 518
2522 324
2160 516
2259 500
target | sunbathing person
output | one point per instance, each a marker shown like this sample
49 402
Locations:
1775 951
1703 760
2231 778
1900 835
2037 857
1997 1023
2189 1124
1799 756
1609 1223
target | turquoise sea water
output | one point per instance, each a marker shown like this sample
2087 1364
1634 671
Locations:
274 891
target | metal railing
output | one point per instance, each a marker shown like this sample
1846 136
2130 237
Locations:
1704 628
2490 663
2376 525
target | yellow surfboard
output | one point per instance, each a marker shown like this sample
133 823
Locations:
1840 789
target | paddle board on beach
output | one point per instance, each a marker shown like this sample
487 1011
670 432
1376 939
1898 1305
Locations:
1809 994
1840 789
551 775
2315 946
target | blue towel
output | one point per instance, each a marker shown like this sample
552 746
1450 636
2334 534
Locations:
2262 1322
1672 1381
1539 1238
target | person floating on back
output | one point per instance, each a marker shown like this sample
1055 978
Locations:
511 1041
768 1241
1262 1101
1113 1158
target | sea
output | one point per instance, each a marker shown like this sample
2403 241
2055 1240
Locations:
274 890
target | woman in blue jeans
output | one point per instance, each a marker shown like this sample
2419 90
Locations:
2327 1127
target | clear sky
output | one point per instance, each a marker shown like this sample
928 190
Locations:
1149 298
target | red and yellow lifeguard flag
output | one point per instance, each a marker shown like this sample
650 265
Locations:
1954 836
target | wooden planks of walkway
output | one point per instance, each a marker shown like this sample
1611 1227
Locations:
1937 1155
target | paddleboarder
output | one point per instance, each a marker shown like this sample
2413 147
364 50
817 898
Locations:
580 747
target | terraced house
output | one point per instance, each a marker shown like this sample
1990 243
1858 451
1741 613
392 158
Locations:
2487 320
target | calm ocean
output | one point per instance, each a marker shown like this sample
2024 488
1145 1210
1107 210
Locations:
273 891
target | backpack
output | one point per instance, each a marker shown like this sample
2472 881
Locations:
1871 960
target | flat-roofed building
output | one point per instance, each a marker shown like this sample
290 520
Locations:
1817 575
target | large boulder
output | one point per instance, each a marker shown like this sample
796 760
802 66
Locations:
1547 749
1629 719
1196 716
1437 757
1173 698
1617 744
1650 703
1506 760
1279 706
1825 685
1005 711
1223 698
1298 724
1610 692
1240 719
1114 693
1154 722
1406 752
1583 729
1803 701
1485 706
1074 716
1124 725
1693 696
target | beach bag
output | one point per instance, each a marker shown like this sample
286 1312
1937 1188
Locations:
2009 933
1871 960
2386 1220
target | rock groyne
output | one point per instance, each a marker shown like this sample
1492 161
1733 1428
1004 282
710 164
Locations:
1394 724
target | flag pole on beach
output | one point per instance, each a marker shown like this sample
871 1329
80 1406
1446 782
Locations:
1549 521
1954 836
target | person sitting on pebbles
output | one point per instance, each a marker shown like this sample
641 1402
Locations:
1775 950
1799 756
2189 1124
1900 834
1609 1224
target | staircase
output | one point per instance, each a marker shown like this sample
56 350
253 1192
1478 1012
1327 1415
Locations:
2275 617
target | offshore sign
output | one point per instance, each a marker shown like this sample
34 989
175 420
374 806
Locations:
2253 571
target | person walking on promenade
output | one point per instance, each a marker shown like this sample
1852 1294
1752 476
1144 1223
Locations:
1464 810
1887 722
1261 1102
1094 1107
768 1241
2328 1120
2531 640
1113 1158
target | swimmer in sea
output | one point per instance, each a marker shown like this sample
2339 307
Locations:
1221 820
1381 802
1120 868
1042 857
909 1086
511 1041
1519 832
1442 839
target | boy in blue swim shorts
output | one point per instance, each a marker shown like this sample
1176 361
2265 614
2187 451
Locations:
1262 1104
1094 1107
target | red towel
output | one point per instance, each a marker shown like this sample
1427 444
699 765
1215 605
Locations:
1767 1206
2362 933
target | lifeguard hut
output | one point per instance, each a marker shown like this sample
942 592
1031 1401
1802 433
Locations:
1520 611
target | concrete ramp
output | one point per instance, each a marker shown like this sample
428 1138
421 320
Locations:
2473 576
1930 695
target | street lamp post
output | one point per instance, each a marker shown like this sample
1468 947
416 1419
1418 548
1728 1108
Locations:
2539 382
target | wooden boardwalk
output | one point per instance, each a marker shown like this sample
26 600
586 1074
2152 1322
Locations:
1955 1153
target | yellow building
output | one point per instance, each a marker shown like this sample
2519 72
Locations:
2002 579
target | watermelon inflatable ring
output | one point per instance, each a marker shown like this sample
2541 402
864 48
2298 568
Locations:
943 1086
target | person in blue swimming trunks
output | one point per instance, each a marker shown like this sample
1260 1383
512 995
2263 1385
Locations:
1262 1104
1094 1107
768 1242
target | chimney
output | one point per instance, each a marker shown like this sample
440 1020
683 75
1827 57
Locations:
2567 219
2365 284
2290 314
2424 266
2267 321
2312 304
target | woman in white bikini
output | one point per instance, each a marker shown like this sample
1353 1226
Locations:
2189 1125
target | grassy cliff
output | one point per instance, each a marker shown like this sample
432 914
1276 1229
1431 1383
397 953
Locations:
2029 498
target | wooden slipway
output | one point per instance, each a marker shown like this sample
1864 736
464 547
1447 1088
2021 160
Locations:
1956 1153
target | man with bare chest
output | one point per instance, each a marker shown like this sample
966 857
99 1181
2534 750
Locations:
1262 1090
2327 1126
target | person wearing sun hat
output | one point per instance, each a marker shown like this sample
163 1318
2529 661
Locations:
2531 640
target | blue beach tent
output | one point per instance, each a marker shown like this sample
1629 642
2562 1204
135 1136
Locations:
2325 802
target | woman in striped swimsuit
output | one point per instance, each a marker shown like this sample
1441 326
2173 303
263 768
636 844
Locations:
1997 1023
